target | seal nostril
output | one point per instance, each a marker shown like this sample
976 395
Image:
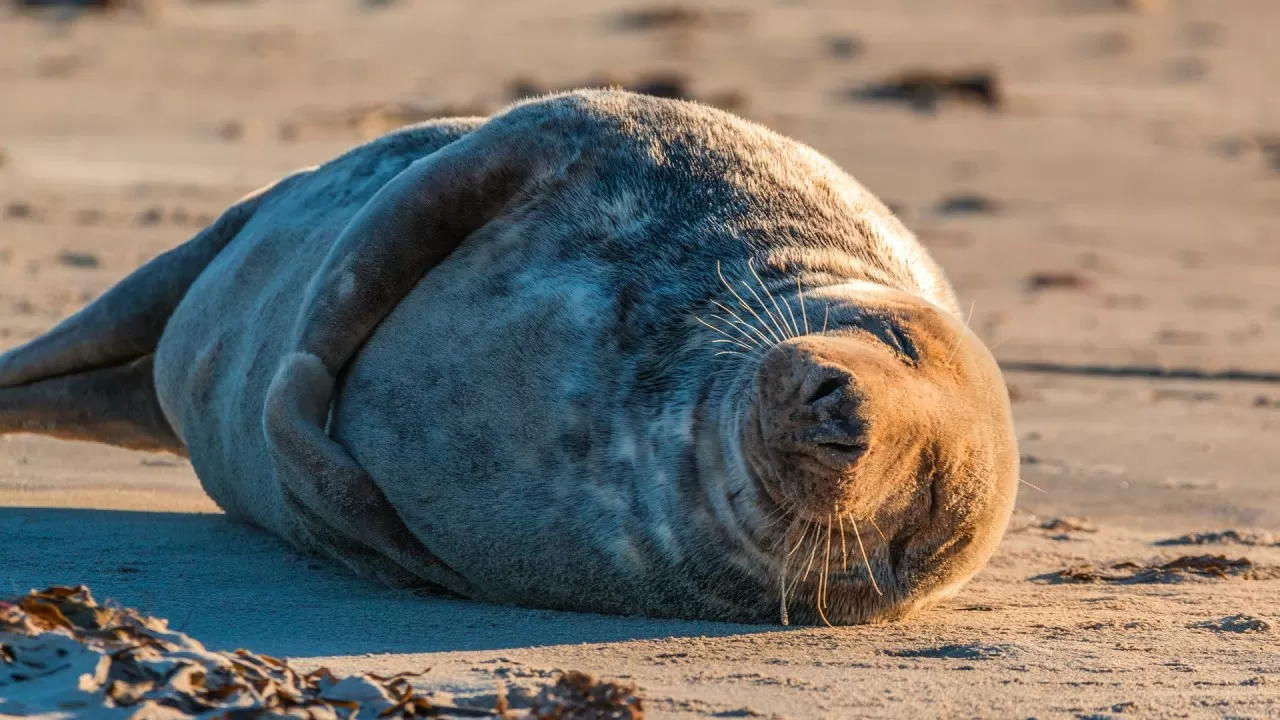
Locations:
828 387
849 446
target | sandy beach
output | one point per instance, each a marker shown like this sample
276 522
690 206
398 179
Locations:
1108 210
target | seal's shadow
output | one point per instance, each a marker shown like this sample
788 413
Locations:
232 586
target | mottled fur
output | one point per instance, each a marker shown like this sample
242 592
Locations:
494 356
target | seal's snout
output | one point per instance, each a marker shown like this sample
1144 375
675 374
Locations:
812 426
827 420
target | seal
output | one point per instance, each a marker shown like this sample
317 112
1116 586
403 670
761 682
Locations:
600 352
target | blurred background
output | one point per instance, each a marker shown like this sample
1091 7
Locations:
1099 178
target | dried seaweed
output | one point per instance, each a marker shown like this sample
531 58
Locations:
62 653
74 4
926 90
1259 538
1068 524
677 17
1062 525
1235 624
578 696
1183 568
1057 279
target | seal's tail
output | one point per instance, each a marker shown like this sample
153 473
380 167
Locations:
89 378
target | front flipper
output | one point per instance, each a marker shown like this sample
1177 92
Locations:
410 226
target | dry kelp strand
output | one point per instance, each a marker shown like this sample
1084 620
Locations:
62 655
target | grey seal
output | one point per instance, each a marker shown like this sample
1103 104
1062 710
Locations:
599 352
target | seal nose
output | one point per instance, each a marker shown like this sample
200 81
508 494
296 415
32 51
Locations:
829 419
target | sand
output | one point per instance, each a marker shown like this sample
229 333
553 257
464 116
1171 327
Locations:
1117 212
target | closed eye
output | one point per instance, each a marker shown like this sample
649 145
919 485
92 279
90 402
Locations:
898 341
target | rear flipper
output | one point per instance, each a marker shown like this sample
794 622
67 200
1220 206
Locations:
115 405
89 378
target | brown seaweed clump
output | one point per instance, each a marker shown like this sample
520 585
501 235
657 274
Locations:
927 90
1258 538
1187 567
61 653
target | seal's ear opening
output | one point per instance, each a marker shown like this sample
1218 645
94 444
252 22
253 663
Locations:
407 228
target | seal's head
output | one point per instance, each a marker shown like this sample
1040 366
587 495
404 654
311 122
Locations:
886 443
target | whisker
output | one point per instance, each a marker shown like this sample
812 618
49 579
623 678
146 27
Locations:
782 592
765 288
804 535
877 527
805 529
774 517
739 353
776 512
745 337
951 355
739 326
824 583
844 553
813 554
744 303
784 589
735 343
781 507
766 340
803 313
735 320
792 313
769 524
1033 487
744 353
960 338
865 559
825 310
727 338
776 324
795 327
